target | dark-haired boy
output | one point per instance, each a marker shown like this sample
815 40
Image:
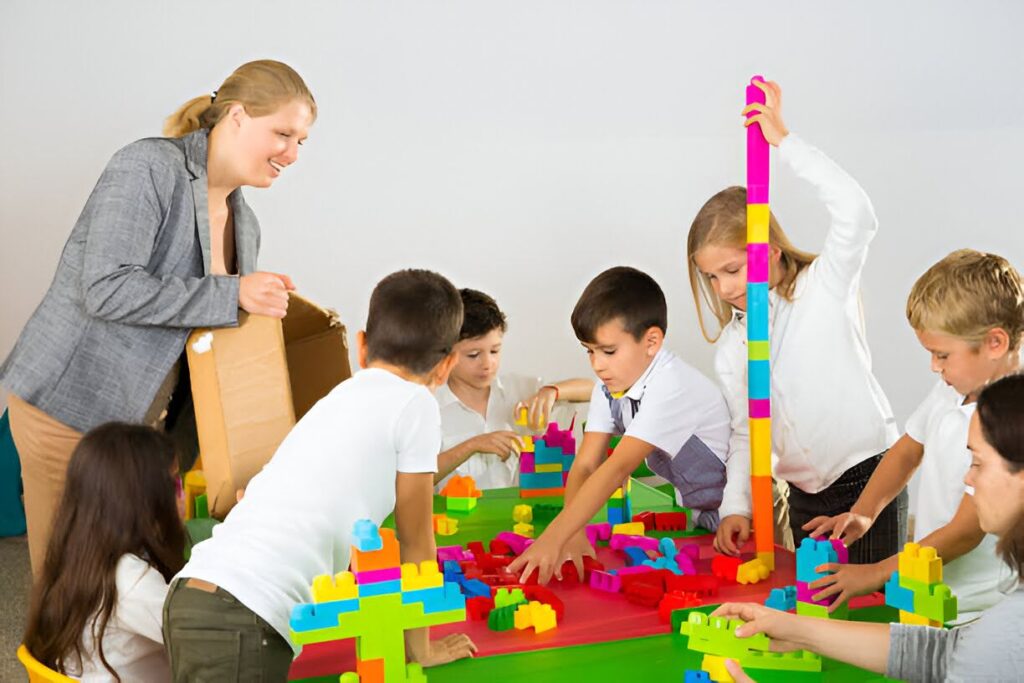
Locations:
366 448
666 411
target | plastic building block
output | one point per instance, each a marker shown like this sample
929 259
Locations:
536 614
725 567
341 586
379 588
516 542
643 593
540 480
479 607
810 554
384 558
645 518
527 442
664 563
499 547
590 565
445 525
461 487
522 513
673 601
376 575
783 599
717 636
897 596
521 418
623 541
598 532
715 668
424 576
704 586
920 563
670 521
753 571
842 552
523 529
809 609
797 660
545 512
690 676
202 507
635 556
628 529
917 620
616 515
502 619
940 605
365 536
473 588
438 599
453 504
313 616
452 552
603 581
505 597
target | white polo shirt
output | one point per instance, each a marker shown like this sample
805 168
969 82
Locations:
336 466
829 412
941 424
460 423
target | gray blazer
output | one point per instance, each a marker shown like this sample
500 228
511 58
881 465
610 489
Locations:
132 281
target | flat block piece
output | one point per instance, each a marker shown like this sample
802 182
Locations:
365 536
392 574
917 620
759 408
385 558
798 660
671 521
548 469
438 599
757 261
717 636
540 480
453 504
342 586
541 493
898 596
810 555
313 616
809 609
783 599
629 529
757 222
759 378
920 563
758 350
426 575
379 588
646 594
523 530
522 513
725 567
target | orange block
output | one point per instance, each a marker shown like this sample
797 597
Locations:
538 493
370 670
385 558
761 500
461 487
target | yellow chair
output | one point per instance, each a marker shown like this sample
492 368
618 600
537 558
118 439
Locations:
37 673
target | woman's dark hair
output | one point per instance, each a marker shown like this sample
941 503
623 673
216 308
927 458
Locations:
480 315
1001 414
119 498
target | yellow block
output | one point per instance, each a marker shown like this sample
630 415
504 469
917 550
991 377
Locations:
715 666
753 571
920 563
523 529
758 350
618 493
757 222
424 576
341 587
550 467
917 620
539 615
761 446
767 559
527 444
521 418
522 513
629 529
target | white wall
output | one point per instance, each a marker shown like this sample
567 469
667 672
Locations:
522 147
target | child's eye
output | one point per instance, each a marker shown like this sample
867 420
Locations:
475 354
733 272
712 277
609 353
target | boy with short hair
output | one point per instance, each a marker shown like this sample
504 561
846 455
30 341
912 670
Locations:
968 313
366 448
666 411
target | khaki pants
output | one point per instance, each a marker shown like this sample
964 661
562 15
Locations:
44 448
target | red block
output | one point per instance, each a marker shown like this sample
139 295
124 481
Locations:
670 521
724 567
647 518
500 548
645 589
703 585
479 607
477 548
590 565
569 574
655 577
674 601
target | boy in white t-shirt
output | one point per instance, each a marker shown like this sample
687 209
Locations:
968 312
366 448
667 412
478 406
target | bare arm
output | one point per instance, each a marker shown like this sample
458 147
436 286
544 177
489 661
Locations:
414 506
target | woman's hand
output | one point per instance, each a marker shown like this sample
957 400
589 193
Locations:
264 294
769 114
782 627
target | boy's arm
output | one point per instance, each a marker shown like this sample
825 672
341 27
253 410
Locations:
889 478
590 456
589 493
960 535
574 390
540 405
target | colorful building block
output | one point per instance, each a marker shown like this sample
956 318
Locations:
383 558
725 567
671 521
522 514
426 575
603 581
445 525
536 614
753 571
920 563
523 529
453 504
810 554
783 599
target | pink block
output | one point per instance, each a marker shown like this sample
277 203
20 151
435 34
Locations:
526 463
760 407
515 541
804 593
636 569
603 581
757 262
757 152
842 553
620 541
452 552
378 575
598 532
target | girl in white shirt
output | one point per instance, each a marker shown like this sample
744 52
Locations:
117 539
478 406
831 422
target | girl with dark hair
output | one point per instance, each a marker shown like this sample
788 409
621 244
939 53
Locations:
117 539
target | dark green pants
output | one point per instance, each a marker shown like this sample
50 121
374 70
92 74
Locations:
213 638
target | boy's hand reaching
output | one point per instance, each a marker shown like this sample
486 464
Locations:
576 548
848 580
733 532
443 650
848 526
544 556
502 444
769 114
538 407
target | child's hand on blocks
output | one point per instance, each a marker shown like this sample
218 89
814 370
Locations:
538 407
848 526
502 444
769 114
733 532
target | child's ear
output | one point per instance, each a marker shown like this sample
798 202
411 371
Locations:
361 348
996 342
654 337
439 375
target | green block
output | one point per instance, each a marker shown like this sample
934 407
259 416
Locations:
460 504
349 677
809 609
502 618
202 510
939 605
757 350
414 673
504 598
919 587
545 512
798 660
717 636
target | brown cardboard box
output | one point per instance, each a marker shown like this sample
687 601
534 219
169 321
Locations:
251 383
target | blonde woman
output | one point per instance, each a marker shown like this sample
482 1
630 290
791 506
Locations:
165 243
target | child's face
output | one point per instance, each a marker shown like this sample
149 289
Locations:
479 359
998 492
726 268
617 358
962 364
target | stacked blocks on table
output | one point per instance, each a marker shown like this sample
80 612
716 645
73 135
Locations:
810 554
545 462
916 588
716 636
375 603
783 599
460 494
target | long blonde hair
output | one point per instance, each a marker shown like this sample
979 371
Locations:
722 221
262 87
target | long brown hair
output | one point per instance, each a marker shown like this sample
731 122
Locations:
119 498
1001 414
261 87
723 221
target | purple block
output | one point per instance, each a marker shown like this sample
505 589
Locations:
603 581
757 152
635 569
526 463
622 541
757 262
804 593
760 407
598 532
842 554
515 541
378 575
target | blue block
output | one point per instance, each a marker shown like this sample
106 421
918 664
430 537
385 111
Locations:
546 455
365 536
897 596
667 547
810 554
616 515
635 556
451 566
757 311
693 676
759 378
475 588
567 462
627 509
380 588
664 563
437 599
782 598
312 616
540 480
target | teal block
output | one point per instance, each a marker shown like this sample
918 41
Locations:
759 379
379 588
546 455
898 596
311 616
541 480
